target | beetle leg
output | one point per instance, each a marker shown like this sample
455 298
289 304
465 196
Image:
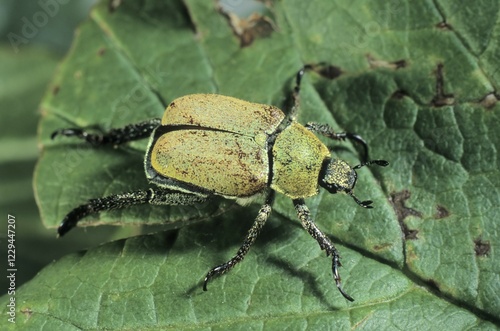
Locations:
322 68
323 129
113 137
153 196
327 131
295 94
323 241
252 234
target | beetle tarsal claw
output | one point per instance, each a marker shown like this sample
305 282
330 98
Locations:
67 132
216 271
338 282
382 163
366 203
345 295
209 276
205 282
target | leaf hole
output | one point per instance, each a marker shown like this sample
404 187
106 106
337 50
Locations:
249 19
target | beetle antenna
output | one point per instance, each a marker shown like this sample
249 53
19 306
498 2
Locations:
382 163
364 204
360 140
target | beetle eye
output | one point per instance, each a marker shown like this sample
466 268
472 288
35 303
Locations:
332 188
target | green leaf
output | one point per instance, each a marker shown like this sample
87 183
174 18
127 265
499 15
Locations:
417 82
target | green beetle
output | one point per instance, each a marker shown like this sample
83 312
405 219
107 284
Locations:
210 145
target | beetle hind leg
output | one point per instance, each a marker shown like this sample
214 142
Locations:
323 241
250 238
153 196
113 137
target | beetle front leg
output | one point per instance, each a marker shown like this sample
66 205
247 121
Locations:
113 137
252 234
323 241
327 131
153 196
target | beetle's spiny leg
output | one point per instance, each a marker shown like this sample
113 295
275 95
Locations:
323 241
295 94
321 68
96 205
114 136
250 238
153 196
327 131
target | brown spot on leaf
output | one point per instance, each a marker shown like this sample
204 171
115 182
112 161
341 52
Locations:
399 94
113 5
55 90
441 212
441 98
329 71
489 101
444 26
398 203
101 51
400 64
27 311
376 63
482 248
325 70
410 234
382 246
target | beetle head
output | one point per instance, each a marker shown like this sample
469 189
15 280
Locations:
338 176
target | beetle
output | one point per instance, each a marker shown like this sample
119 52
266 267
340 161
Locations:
209 145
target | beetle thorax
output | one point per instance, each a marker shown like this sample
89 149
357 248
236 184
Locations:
298 156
